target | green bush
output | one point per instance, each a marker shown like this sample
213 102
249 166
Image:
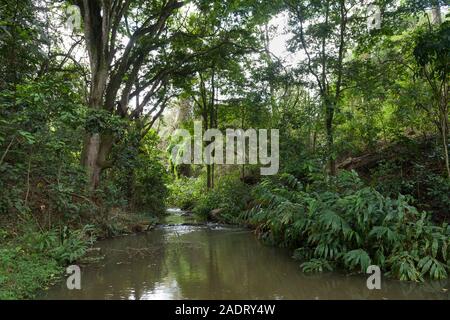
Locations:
438 194
150 189
32 259
184 192
351 227
230 194
61 243
22 274
208 202
431 191
138 179
40 138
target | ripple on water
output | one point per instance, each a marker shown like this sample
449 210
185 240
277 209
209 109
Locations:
214 261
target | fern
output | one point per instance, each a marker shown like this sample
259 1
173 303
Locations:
385 234
316 265
357 258
350 226
434 268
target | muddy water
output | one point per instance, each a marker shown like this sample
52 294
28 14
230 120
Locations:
212 262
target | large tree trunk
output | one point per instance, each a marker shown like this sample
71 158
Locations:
96 146
91 150
96 150
115 70
442 98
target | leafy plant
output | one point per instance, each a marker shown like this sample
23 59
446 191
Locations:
350 226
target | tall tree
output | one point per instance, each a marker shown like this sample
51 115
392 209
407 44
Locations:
322 33
21 38
121 42
432 53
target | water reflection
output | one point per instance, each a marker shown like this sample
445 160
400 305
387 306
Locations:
185 262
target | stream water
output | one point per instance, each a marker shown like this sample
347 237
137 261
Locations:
216 262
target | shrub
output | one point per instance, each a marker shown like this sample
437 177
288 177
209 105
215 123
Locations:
21 273
438 194
350 226
184 192
137 181
150 191
32 259
230 194
431 191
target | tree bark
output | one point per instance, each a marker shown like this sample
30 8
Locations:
96 32
442 97
96 149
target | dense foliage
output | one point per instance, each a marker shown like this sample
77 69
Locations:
87 116
343 224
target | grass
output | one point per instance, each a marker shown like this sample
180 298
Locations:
31 258
22 273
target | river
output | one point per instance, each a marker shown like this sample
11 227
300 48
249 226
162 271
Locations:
218 262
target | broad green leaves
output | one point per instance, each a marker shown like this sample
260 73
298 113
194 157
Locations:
352 228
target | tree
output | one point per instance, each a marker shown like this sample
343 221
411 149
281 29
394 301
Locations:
20 49
432 53
227 40
321 31
121 72
221 69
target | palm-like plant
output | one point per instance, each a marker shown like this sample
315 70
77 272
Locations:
350 226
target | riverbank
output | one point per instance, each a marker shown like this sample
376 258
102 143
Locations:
183 248
342 223
33 257
180 260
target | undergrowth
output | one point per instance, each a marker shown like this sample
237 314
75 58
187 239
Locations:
340 223
34 257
